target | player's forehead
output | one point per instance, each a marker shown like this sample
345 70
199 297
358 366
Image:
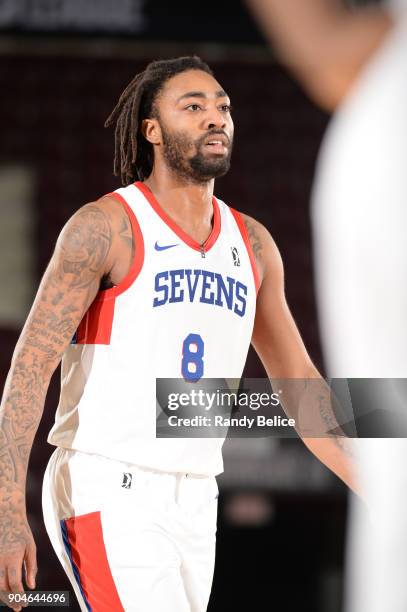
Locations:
191 83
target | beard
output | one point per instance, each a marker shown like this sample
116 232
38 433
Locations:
199 168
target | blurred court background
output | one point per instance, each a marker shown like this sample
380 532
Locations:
63 64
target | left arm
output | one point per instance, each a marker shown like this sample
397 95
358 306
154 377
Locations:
279 345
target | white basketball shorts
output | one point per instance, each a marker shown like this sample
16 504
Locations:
130 538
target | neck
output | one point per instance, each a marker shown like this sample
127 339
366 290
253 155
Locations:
182 198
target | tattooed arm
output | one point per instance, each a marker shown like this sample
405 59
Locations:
276 339
94 246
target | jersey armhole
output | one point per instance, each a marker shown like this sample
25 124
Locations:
138 258
243 231
97 322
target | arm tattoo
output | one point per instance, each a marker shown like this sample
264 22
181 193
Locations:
126 234
253 237
14 529
19 421
69 285
85 246
334 430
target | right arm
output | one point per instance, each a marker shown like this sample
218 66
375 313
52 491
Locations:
85 253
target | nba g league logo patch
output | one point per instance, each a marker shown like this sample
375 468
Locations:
127 478
235 255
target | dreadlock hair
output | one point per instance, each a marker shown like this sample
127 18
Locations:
134 155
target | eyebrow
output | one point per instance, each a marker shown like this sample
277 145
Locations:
200 94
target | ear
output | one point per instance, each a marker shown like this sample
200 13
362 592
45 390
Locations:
151 131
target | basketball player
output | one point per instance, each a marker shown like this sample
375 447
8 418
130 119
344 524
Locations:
135 290
355 62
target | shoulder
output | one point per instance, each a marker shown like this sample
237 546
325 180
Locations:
94 220
102 213
265 250
106 213
111 208
100 228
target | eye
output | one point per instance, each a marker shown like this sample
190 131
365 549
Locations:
193 107
226 108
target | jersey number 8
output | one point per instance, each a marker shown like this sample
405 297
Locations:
192 365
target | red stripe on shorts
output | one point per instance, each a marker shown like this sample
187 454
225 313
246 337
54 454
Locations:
88 553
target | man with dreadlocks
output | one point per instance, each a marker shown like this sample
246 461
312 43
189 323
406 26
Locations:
155 280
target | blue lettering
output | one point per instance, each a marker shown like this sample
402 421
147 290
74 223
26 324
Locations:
228 293
241 298
157 287
205 286
192 289
175 284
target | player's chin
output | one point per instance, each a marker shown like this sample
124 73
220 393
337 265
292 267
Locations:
217 170
210 166
223 169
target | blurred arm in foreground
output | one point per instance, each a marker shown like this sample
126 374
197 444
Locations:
323 43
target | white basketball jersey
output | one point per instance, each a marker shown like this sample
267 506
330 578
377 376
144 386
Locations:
176 293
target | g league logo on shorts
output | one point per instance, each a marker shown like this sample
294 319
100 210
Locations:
200 285
127 478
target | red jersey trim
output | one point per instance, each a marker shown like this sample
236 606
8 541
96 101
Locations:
213 236
84 543
96 325
138 260
242 228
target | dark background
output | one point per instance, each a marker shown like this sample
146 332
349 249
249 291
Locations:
282 515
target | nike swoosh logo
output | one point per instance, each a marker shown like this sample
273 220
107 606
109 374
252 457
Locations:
162 248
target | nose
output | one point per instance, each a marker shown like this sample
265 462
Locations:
215 119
